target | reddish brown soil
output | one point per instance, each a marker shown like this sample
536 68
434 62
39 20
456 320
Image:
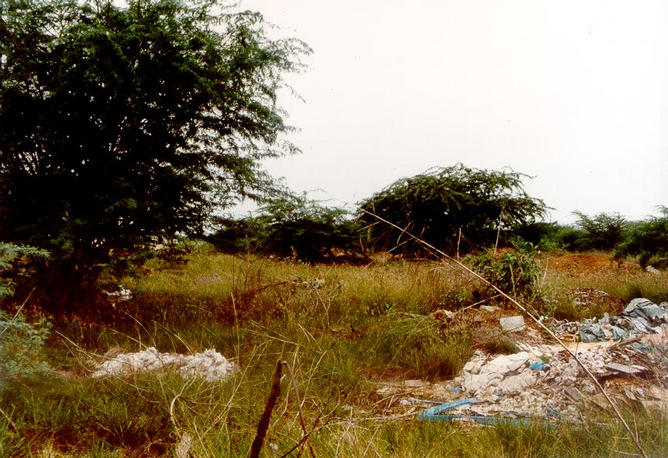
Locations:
588 263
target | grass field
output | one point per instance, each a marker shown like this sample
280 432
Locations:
340 329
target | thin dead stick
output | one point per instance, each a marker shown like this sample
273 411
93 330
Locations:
459 239
172 404
530 315
263 425
19 309
9 420
373 436
236 327
24 303
305 437
299 403
477 303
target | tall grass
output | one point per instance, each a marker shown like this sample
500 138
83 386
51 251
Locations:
341 330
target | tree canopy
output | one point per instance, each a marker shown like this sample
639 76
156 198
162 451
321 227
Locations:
122 123
435 205
290 226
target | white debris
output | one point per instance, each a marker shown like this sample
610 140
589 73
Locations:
512 323
209 365
122 293
545 378
652 270
184 445
505 374
490 308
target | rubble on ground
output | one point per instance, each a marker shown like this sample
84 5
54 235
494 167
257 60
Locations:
641 316
546 381
512 323
210 364
652 270
545 378
121 294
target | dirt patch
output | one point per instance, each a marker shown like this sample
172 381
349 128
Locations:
576 263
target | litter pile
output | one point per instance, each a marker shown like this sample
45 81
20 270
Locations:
544 381
641 316
210 365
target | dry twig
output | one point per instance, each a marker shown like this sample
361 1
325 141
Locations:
263 425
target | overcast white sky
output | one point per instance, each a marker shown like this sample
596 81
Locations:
573 92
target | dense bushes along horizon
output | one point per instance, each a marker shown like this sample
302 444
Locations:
307 230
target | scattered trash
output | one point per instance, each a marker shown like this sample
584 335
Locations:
641 316
442 314
652 270
541 381
210 365
537 366
490 308
504 374
122 293
411 401
184 445
646 309
437 414
573 393
544 380
624 369
512 323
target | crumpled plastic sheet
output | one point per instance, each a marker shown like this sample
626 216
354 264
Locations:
641 316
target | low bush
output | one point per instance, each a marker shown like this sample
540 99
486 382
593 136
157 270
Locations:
290 227
513 271
649 241
22 347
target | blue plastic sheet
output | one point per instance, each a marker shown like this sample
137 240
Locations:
437 414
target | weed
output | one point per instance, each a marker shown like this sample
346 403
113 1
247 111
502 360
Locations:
500 345
21 347
340 328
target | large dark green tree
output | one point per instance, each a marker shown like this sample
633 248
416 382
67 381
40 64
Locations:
122 123
437 204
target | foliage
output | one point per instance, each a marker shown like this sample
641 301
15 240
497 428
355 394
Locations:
290 226
513 271
541 234
649 240
21 345
122 123
569 238
438 203
20 342
601 232
17 262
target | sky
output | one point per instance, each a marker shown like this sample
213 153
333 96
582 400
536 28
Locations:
571 92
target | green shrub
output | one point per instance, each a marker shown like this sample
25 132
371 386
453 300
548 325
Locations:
649 240
443 203
289 226
21 345
514 272
17 262
602 231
